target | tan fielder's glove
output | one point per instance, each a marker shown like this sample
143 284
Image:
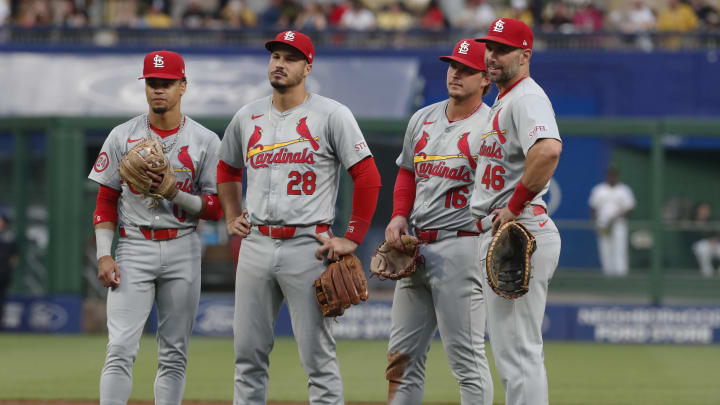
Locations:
508 260
342 284
388 262
148 155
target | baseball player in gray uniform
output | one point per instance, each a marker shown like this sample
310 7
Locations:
436 175
513 173
292 145
158 255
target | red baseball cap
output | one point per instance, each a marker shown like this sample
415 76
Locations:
509 31
163 65
469 53
297 40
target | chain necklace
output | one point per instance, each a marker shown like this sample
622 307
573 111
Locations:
170 147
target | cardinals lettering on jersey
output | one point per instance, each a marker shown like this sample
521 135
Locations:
435 165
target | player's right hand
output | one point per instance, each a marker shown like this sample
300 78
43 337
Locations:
239 226
397 226
108 272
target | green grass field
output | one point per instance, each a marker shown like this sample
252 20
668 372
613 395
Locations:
67 367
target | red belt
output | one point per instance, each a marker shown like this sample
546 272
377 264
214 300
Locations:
287 232
154 234
431 235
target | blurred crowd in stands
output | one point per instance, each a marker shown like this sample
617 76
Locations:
554 16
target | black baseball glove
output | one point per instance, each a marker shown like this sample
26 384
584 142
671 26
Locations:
508 260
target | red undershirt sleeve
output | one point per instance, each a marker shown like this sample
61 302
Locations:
366 180
106 205
404 193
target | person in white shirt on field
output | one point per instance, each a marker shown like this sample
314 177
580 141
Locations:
611 203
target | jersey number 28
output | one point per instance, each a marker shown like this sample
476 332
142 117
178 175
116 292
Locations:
307 179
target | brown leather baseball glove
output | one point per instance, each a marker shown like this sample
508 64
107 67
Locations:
342 284
148 155
388 262
508 260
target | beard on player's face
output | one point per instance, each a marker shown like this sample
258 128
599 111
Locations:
159 110
501 73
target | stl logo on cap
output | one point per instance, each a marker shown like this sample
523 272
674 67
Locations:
499 25
464 47
159 61
289 36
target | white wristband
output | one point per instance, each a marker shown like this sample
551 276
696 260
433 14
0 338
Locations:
103 240
192 204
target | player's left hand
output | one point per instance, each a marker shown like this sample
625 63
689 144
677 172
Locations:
156 181
502 216
334 247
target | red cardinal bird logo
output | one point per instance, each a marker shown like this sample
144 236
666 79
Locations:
304 131
254 139
464 148
496 127
184 158
422 142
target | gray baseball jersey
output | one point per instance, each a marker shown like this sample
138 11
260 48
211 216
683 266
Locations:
518 119
520 116
443 156
164 272
447 294
293 158
193 155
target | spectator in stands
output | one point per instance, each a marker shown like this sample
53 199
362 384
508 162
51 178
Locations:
707 248
33 13
478 15
311 18
640 18
237 14
194 16
394 18
4 12
677 17
433 17
272 14
588 18
519 10
557 18
636 22
611 202
155 17
707 14
8 261
358 17
121 13
337 9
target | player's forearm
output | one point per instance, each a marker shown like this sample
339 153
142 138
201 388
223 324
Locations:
541 162
104 232
190 203
230 195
